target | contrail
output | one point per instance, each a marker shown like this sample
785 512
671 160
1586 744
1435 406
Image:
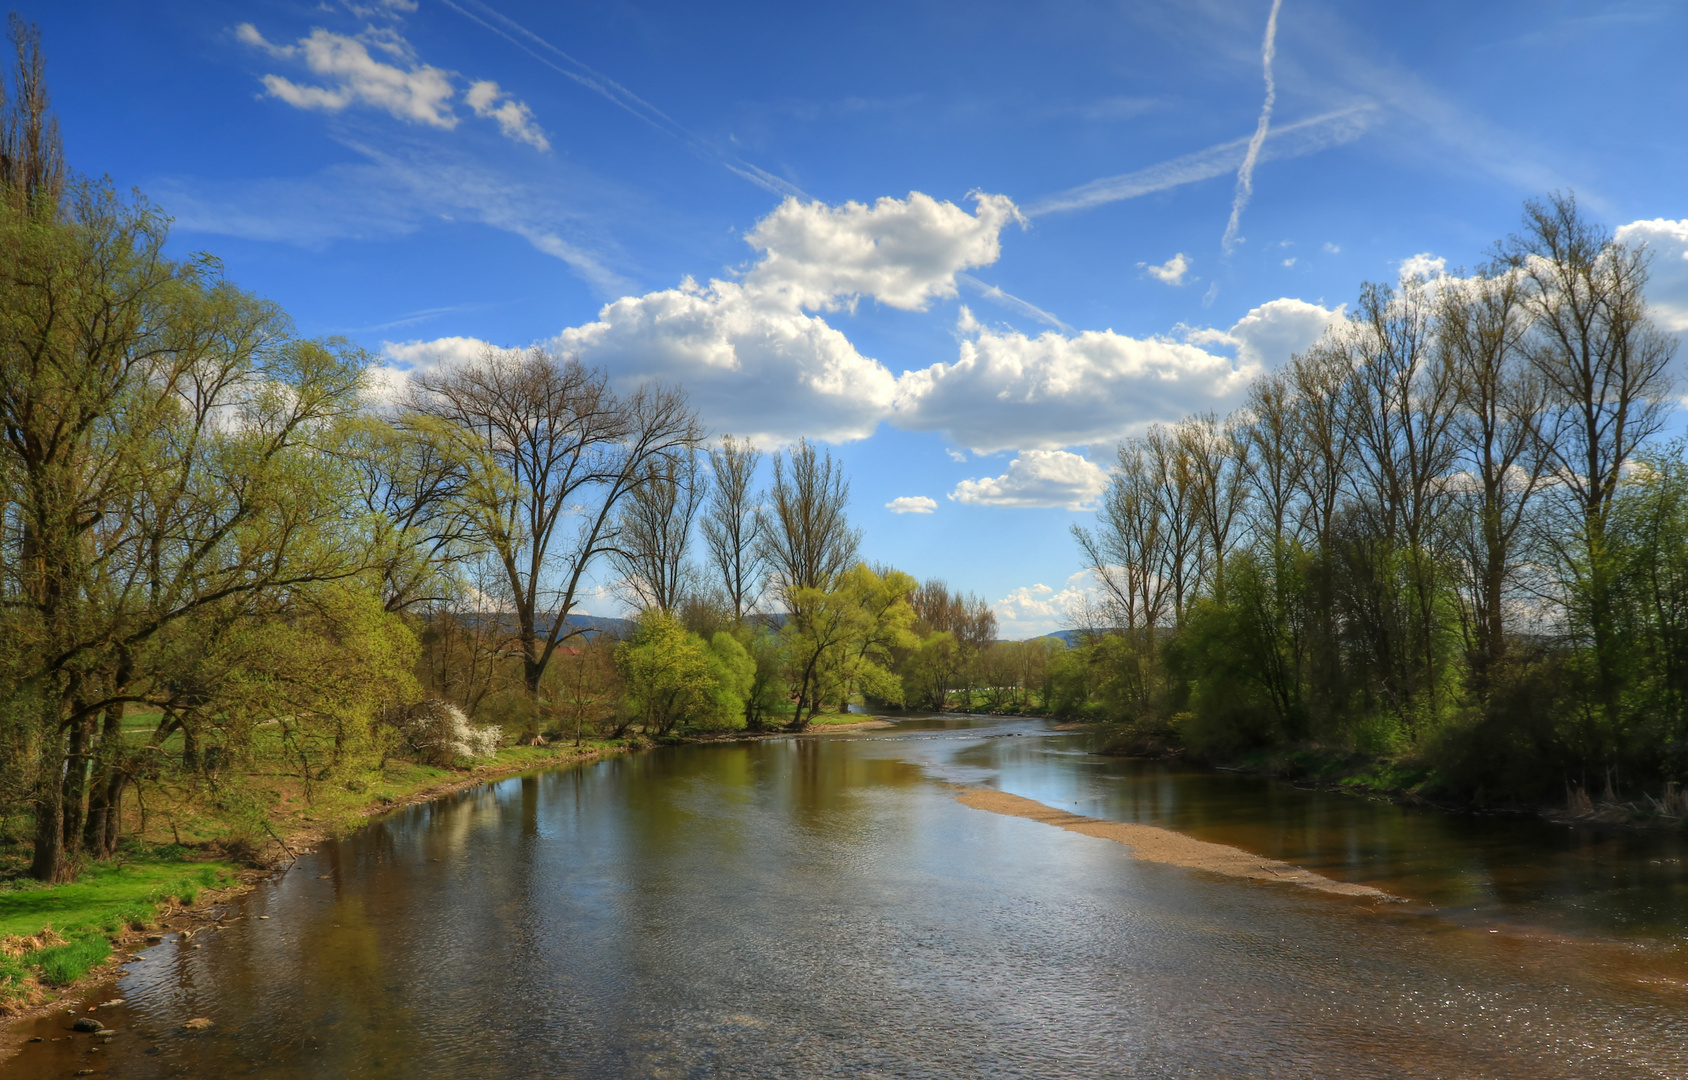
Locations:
614 92
1297 139
1245 175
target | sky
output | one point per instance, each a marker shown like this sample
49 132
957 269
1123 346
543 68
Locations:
968 248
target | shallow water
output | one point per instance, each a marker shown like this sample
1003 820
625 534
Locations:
824 907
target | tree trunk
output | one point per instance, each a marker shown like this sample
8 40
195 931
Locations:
74 804
99 835
49 863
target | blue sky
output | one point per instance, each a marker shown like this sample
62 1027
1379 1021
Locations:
969 246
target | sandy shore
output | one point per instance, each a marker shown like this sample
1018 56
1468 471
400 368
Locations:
1154 844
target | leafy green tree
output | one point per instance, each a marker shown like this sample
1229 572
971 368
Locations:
670 675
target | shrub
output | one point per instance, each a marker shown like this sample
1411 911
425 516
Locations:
440 734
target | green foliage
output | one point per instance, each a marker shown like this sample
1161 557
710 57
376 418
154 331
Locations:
62 965
670 674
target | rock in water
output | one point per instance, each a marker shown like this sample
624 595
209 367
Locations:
86 1023
198 1023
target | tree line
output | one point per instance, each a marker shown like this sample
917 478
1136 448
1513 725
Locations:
226 564
1447 530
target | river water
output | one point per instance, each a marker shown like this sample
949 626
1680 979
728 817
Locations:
823 906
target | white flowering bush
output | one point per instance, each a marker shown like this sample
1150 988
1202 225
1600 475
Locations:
440 734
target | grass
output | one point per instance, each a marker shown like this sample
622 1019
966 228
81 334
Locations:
55 934
51 936
838 718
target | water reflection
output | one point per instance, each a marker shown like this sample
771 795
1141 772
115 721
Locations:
824 907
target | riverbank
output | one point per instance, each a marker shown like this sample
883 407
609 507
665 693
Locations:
58 941
1399 779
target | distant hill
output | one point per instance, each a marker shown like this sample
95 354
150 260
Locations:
593 625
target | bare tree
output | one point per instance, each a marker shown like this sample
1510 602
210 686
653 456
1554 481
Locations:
32 169
1176 498
654 542
732 524
805 537
1607 370
550 451
1218 463
1275 456
1320 377
1482 323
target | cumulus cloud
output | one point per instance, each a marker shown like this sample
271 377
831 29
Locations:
1423 266
1270 334
1035 610
759 360
1037 478
912 504
514 118
1667 293
901 252
753 358
751 363
1008 391
407 89
400 359
1170 272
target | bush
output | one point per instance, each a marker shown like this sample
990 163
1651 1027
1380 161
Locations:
440 734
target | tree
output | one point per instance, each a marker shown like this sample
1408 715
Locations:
1607 370
550 453
655 533
732 524
805 535
842 639
666 672
169 451
1497 435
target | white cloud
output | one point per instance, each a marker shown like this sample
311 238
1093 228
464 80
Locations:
757 364
912 504
401 359
1667 292
749 354
514 117
1332 249
1037 478
1270 334
901 252
1008 391
1290 261
1423 266
418 95
1170 272
752 364
1035 610
956 455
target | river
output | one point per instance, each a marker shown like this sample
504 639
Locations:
824 906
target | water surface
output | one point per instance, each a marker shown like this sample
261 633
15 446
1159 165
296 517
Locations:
824 907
